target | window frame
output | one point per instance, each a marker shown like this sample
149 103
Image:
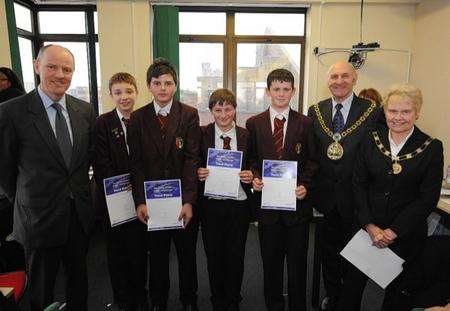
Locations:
90 38
230 41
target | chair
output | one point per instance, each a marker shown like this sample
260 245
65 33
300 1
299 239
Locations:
16 280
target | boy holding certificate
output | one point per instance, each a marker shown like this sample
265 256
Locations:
280 133
164 140
126 248
225 218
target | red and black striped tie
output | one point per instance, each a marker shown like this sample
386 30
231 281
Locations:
278 136
163 121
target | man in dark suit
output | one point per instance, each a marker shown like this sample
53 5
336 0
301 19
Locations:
164 140
46 150
126 247
339 124
280 133
225 220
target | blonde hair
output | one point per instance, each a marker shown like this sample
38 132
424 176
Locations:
405 91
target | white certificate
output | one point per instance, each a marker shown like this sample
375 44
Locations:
280 181
119 199
380 264
163 199
224 167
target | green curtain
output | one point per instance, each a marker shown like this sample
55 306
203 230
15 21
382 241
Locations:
165 36
13 39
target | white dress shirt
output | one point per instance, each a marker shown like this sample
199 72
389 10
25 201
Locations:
346 105
395 148
124 128
164 111
51 112
279 115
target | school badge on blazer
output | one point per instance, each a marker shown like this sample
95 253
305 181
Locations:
298 148
117 132
179 142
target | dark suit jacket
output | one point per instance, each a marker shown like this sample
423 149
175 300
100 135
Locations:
34 175
176 155
208 141
401 202
333 182
297 147
111 156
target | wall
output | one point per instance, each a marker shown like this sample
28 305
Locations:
5 57
431 68
336 25
123 35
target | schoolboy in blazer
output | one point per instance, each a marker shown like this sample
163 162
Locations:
164 141
225 221
126 247
283 233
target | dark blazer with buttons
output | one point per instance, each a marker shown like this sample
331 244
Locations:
34 175
297 147
111 156
172 156
333 182
401 202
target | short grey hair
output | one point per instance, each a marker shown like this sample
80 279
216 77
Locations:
405 91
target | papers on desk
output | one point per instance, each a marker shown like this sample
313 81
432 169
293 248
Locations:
119 199
380 264
280 181
224 167
163 199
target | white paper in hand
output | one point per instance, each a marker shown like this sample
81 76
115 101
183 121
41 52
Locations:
380 264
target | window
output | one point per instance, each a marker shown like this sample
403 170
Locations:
26 61
201 72
23 17
71 26
62 22
237 50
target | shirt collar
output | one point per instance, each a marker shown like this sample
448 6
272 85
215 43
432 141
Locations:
402 143
159 109
346 103
119 114
230 133
274 113
48 102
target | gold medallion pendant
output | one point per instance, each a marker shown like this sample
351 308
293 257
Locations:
396 168
335 151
